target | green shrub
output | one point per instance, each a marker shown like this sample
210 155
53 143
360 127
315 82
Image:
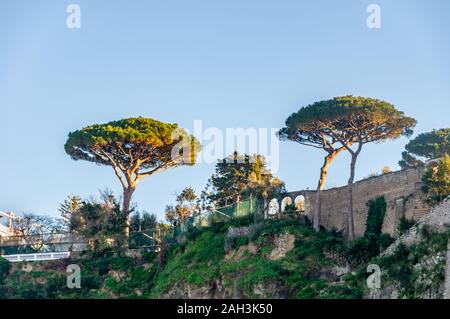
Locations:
375 217
384 241
361 250
404 225
342 292
235 242
436 180
149 256
193 232
241 221
218 227
425 232
5 266
240 241
255 230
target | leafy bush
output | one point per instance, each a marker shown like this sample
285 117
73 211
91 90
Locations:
436 180
425 232
404 225
342 292
375 217
255 230
5 266
193 232
361 250
219 227
241 221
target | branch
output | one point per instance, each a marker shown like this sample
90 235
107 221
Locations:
344 144
310 144
152 171
114 165
119 176
112 160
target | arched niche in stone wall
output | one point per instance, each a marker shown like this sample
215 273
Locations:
286 201
300 203
274 207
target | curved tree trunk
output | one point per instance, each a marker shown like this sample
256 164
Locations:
320 186
350 222
127 194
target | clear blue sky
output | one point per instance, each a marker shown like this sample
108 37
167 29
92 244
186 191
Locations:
230 63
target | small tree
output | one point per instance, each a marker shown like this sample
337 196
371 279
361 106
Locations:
436 180
68 208
230 179
135 148
238 176
187 204
35 228
365 120
101 223
186 207
30 225
171 215
143 221
428 145
262 183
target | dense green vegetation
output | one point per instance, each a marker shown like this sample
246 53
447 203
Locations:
436 180
4 268
205 256
373 242
210 264
199 261
240 176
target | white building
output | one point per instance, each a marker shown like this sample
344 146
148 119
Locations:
6 224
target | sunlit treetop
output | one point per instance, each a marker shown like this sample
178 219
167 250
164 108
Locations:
346 118
138 145
429 145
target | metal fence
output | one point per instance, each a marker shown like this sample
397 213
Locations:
221 214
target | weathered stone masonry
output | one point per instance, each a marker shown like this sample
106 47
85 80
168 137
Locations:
401 189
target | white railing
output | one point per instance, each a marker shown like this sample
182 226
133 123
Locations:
37 257
47 239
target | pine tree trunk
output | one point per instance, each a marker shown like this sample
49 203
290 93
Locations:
127 194
350 223
320 186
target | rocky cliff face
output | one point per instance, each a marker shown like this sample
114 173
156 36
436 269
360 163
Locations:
217 290
226 285
437 220
421 255
276 259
